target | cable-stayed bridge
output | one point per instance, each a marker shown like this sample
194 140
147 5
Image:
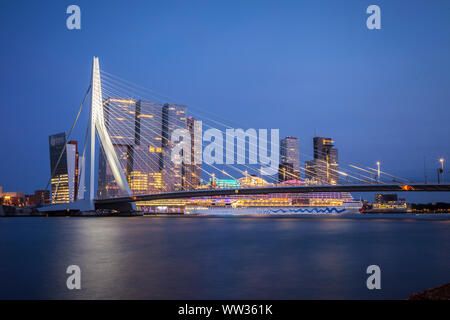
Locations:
134 127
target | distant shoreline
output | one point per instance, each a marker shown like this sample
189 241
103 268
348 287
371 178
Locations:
369 216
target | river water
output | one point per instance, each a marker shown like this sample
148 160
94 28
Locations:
222 258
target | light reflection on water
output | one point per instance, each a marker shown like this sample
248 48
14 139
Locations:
221 258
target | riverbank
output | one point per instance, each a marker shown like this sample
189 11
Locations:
9 211
437 293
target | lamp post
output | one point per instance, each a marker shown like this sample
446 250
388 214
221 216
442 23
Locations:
378 171
441 160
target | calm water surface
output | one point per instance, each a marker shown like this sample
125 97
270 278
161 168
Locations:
221 258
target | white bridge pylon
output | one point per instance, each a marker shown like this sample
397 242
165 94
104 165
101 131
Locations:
97 125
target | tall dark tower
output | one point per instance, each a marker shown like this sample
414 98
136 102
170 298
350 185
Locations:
289 168
323 169
64 180
191 172
173 117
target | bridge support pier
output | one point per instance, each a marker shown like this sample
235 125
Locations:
123 207
88 205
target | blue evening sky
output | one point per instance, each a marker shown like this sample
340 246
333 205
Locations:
305 67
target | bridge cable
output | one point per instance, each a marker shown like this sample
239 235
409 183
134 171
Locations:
65 145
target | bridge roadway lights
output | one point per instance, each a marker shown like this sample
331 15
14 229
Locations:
114 202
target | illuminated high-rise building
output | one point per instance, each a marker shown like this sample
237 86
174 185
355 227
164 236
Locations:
140 132
289 168
324 168
147 170
192 172
286 172
173 117
120 121
64 180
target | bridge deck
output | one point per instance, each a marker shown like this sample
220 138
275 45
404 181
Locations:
284 189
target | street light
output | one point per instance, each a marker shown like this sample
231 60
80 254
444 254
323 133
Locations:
378 171
441 160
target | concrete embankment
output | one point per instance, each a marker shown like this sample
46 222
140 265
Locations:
9 211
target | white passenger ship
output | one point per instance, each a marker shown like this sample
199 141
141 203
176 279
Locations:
324 203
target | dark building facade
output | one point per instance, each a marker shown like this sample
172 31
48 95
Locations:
289 168
286 172
323 169
119 116
64 163
39 197
173 117
191 172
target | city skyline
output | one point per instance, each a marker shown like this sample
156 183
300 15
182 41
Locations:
237 154
374 108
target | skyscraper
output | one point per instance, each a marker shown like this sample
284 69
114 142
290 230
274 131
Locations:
173 117
120 122
323 169
192 172
64 179
146 176
289 168
141 132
